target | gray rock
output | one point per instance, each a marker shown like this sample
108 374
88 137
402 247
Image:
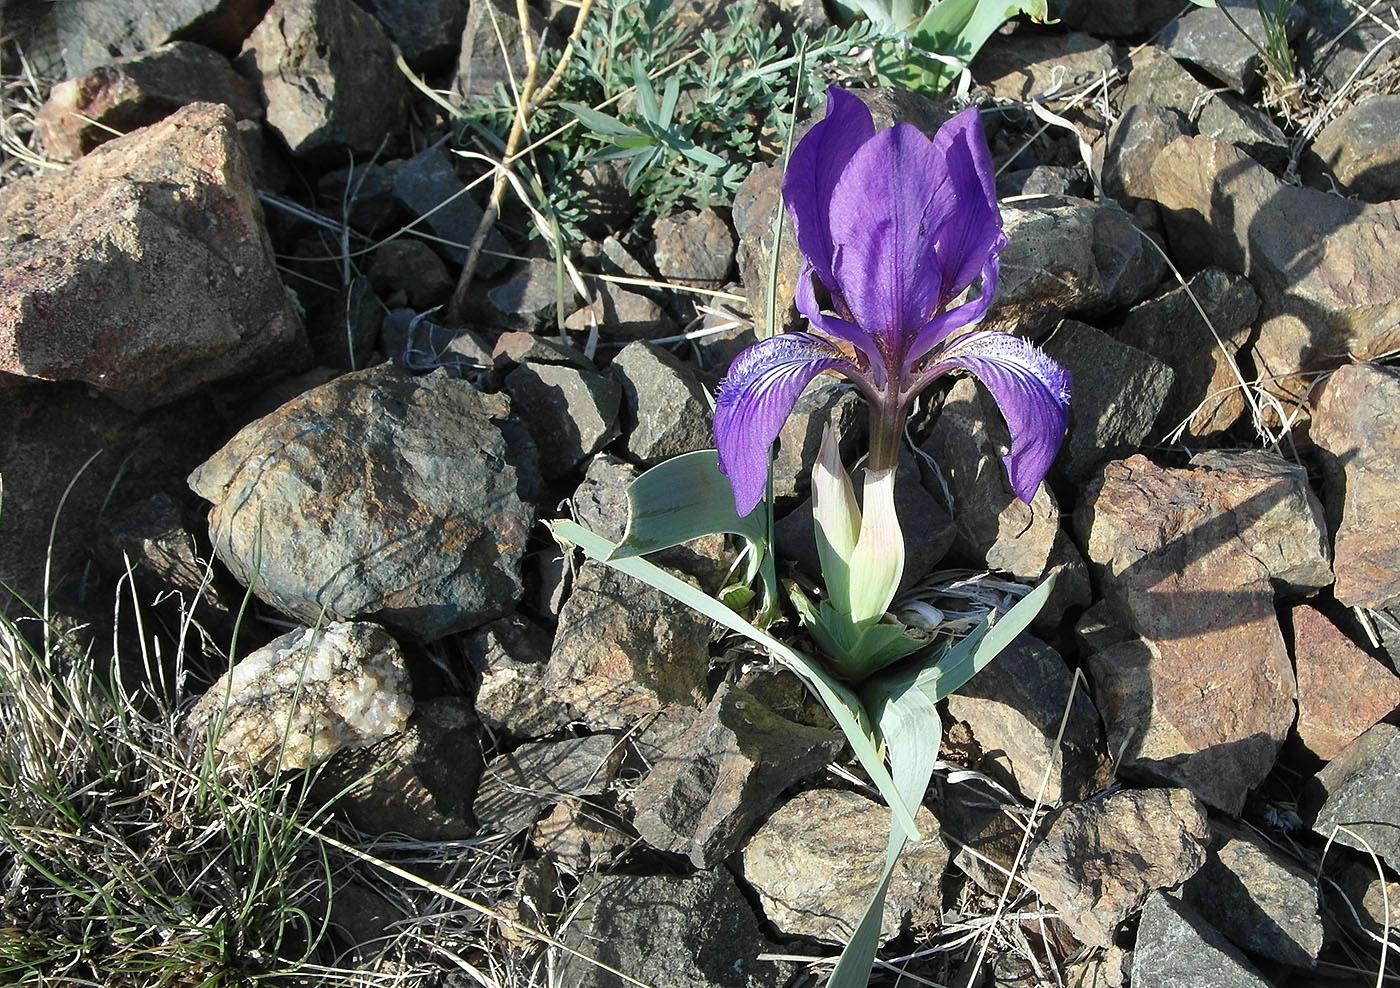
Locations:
1354 425
694 248
1099 861
1262 903
509 656
622 650
667 411
327 76
816 861
723 773
580 834
757 205
621 315
1176 948
1205 395
428 32
111 278
1204 37
352 501
667 932
303 697
827 401
1015 707
417 344
1157 79
409 272
1118 393
570 413
1361 148
1226 117
518 787
1025 64
427 186
1134 141
1361 793
527 300
134 92
481 63
1337 48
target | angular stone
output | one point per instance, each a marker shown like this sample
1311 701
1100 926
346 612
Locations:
1176 948
694 248
757 203
327 75
481 62
428 32
1354 426
1015 707
668 931
1361 148
1118 393
1342 691
1157 79
1064 257
1024 65
1320 263
1262 903
527 300
723 773
1340 50
428 189
621 315
419 345
518 787
666 410
1209 41
570 413
303 697
420 782
137 91
1361 793
1226 117
352 501
622 650
1134 141
827 401
412 268
145 270
1205 696
1099 861
578 834
816 861
509 657
1206 394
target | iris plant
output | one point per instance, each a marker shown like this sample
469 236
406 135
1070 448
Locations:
896 230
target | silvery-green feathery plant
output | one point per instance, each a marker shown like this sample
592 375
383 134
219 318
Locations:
901 236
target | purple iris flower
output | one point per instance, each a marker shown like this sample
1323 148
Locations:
896 228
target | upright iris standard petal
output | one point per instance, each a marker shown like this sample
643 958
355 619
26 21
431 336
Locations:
754 401
949 321
1032 392
970 230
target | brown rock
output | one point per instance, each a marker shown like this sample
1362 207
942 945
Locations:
1134 141
1342 691
757 203
1321 264
519 786
145 270
694 248
1362 148
816 861
1204 696
1025 65
579 833
1355 423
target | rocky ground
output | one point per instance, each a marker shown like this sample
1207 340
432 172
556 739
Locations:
218 334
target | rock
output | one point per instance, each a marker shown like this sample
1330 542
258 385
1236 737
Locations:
1176 948
508 656
345 329
518 347
1342 691
1015 707
327 76
621 315
1116 18
1205 38
420 782
482 64
1099 861
144 270
1360 795
419 345
351 501
622 650
1339 49
1119 391
579 834
1206 394
428 32
518 787
1354 425
137 91
666 411
1361 148
1262 903
1024 65
1157 79
1070 256
1204 696
1134 141
1318 262
571 413
667 932
757 204
414 269
303 697
827 401
694 248
1226 117
816 861
723 773
1054 181
527 301
428 190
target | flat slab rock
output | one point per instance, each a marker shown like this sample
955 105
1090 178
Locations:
1176 948
1361 793
378 495
145 270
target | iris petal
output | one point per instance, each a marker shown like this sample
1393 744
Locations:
1032 392
814 168
836 327
754 400
971 223
943 325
